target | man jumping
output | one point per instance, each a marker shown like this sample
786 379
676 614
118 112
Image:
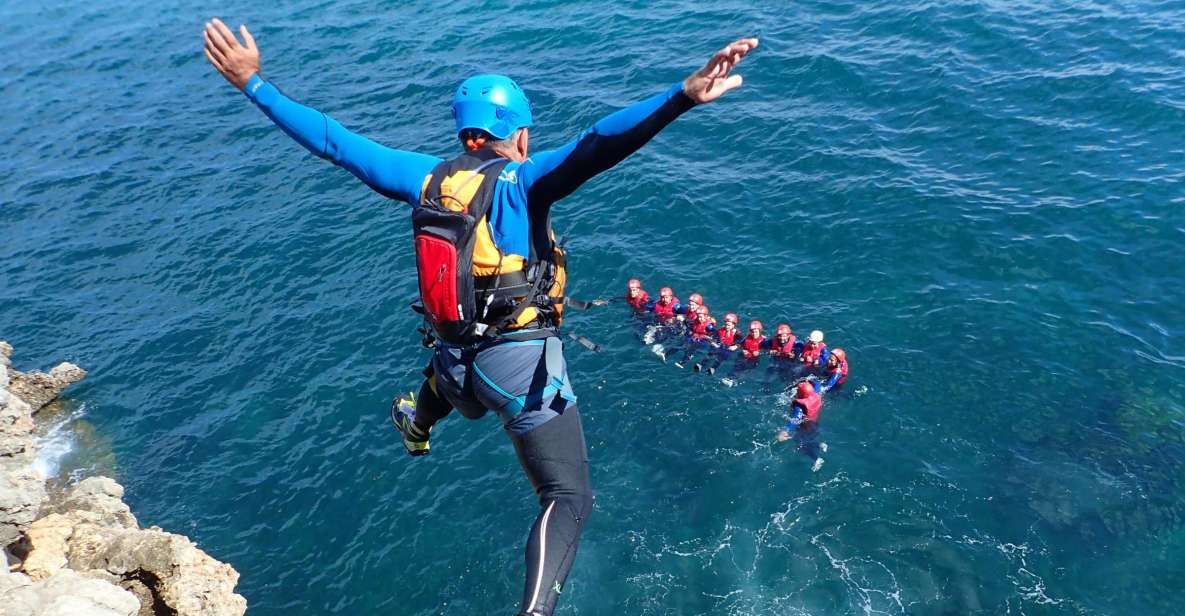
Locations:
491 275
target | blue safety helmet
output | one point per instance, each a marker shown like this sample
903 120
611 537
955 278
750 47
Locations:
492 103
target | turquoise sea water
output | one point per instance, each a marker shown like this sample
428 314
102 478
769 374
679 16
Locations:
981 201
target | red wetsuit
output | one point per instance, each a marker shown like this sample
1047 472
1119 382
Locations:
811 353
782 350
810 405
752 346
699 328
666 311
638 303
728 337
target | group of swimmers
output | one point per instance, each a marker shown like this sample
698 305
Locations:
818 368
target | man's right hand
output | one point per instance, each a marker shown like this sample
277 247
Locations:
237 63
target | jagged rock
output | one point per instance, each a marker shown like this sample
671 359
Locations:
65 594
179 575
186 579
48 539
103 497
16 428
77 558
96 501
22 491
39 389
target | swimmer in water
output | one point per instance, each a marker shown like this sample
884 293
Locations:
688 312
803 423
664 308
637 297
751 347
836 372
725 346
665 325
782 350
814 353
699 333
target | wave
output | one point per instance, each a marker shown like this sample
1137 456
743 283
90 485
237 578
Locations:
56 442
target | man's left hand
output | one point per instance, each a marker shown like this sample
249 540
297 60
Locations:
714 79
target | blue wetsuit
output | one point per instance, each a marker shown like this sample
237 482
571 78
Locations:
537 182
797 417
719 352
826 386
693 345
806 431
824 355
524 381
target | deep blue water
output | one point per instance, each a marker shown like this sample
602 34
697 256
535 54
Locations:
981 201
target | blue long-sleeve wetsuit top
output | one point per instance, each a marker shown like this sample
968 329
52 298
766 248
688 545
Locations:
797 416
532 185
831 381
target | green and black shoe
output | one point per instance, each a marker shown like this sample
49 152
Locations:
403 415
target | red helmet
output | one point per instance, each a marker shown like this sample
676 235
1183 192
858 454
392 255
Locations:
805 390
730 318
635 283
695 298
784 330
839 354
756 325
666 292
703 311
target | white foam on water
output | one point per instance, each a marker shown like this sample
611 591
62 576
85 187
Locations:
56 443
861 579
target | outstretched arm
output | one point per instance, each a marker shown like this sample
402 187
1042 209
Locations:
395 173
825 387
553 175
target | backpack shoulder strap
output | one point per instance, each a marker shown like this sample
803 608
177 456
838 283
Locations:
447 168
483 197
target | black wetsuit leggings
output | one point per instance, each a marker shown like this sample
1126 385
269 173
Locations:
555 459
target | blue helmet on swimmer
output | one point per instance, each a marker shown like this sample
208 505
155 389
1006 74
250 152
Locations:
492 103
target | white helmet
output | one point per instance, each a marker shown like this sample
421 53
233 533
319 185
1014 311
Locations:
816 336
